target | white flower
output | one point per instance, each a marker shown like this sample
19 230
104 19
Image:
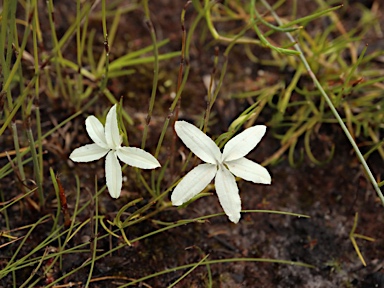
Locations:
220 166
109 141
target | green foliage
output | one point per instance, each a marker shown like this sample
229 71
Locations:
75 70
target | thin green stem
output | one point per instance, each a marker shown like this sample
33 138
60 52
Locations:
35 26
207 13
36 166
104 81
264 40
17 151
155 71
95 238
331 106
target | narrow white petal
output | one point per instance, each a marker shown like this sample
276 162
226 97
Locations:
243 143
113 174
193 183
87 153
137 157
95 130
228 193
198 142
112 133
249 170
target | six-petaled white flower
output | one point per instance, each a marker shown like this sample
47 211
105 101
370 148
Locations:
220 166
109 141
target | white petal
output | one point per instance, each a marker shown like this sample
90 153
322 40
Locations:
198 142
87 153
228 193
137 157
193 183
112 133
113 174
243 143
249 170
96 131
